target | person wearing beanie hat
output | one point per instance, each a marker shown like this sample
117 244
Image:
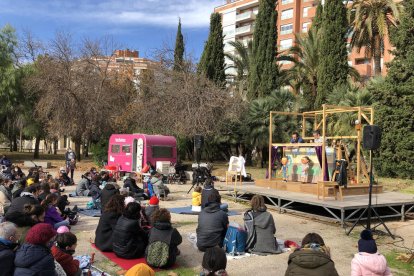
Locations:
62 229
34 256
140 270
369 261
152 207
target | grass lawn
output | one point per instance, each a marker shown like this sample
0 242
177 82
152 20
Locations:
180 272
404 269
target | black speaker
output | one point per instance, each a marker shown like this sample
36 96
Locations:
198 141
371 137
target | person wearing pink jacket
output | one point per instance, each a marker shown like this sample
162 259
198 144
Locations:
368 262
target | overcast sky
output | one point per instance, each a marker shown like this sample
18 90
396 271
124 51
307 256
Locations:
143 25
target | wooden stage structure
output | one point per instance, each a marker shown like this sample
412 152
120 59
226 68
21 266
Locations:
388 204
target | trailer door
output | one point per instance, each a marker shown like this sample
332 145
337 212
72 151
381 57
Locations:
138 160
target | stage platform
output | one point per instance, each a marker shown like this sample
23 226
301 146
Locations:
387 204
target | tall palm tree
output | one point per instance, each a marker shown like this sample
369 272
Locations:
304 73
241 62
370 23
258 118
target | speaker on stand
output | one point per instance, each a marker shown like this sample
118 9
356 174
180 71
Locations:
371 141
198 145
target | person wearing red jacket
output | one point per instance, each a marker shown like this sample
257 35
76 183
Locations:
63 250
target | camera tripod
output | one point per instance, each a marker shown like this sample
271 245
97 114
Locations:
199 177
370 209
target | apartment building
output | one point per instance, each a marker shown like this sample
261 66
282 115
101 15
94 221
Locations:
294 16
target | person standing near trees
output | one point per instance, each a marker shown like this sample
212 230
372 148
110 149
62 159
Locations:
70 157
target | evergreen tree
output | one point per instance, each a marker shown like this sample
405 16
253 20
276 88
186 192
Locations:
212 60
317 20
333 67
395 102
263 75
179 49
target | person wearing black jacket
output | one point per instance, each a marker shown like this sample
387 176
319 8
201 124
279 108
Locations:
107 222
129 240
29 196
207 191
8 243
131 184
162 230
212 223
107 192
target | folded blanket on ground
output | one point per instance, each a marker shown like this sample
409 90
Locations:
187 211
90 212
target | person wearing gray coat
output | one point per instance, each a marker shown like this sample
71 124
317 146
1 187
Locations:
260 228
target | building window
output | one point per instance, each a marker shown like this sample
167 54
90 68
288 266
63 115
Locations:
126 148
305 27
286 14
286 44
305 11
284 2
115 148
162 152
286 29
360 61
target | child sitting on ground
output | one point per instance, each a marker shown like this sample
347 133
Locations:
63 250
162 249
151 208
52 216
196 201
369 261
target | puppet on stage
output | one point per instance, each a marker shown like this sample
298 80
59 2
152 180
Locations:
305 169
284 168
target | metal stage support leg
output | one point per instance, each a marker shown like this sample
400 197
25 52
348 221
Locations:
403 212
342 217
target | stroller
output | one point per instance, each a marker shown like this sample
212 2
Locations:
177 174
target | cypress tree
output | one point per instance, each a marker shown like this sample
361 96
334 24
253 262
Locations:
212 60
263 75
179 48
394 102
317 20
333 67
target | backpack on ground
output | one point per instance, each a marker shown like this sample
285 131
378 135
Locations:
235 240
158 251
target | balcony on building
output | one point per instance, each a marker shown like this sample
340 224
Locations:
245 17
244 30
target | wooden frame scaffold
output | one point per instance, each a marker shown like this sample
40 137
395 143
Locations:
319 117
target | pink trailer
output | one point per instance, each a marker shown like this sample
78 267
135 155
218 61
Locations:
130 152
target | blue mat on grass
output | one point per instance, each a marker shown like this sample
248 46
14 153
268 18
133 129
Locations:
90 212
187 211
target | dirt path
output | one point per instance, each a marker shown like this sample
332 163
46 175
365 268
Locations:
288 227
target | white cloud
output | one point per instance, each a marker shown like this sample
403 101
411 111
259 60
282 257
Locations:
165 13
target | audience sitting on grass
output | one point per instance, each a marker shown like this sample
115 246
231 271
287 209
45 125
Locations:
312 259
62 251
131 184
212 223
214 262
8 239
107 222
368 261
129 240
260 228
52 215
162 249
34 256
